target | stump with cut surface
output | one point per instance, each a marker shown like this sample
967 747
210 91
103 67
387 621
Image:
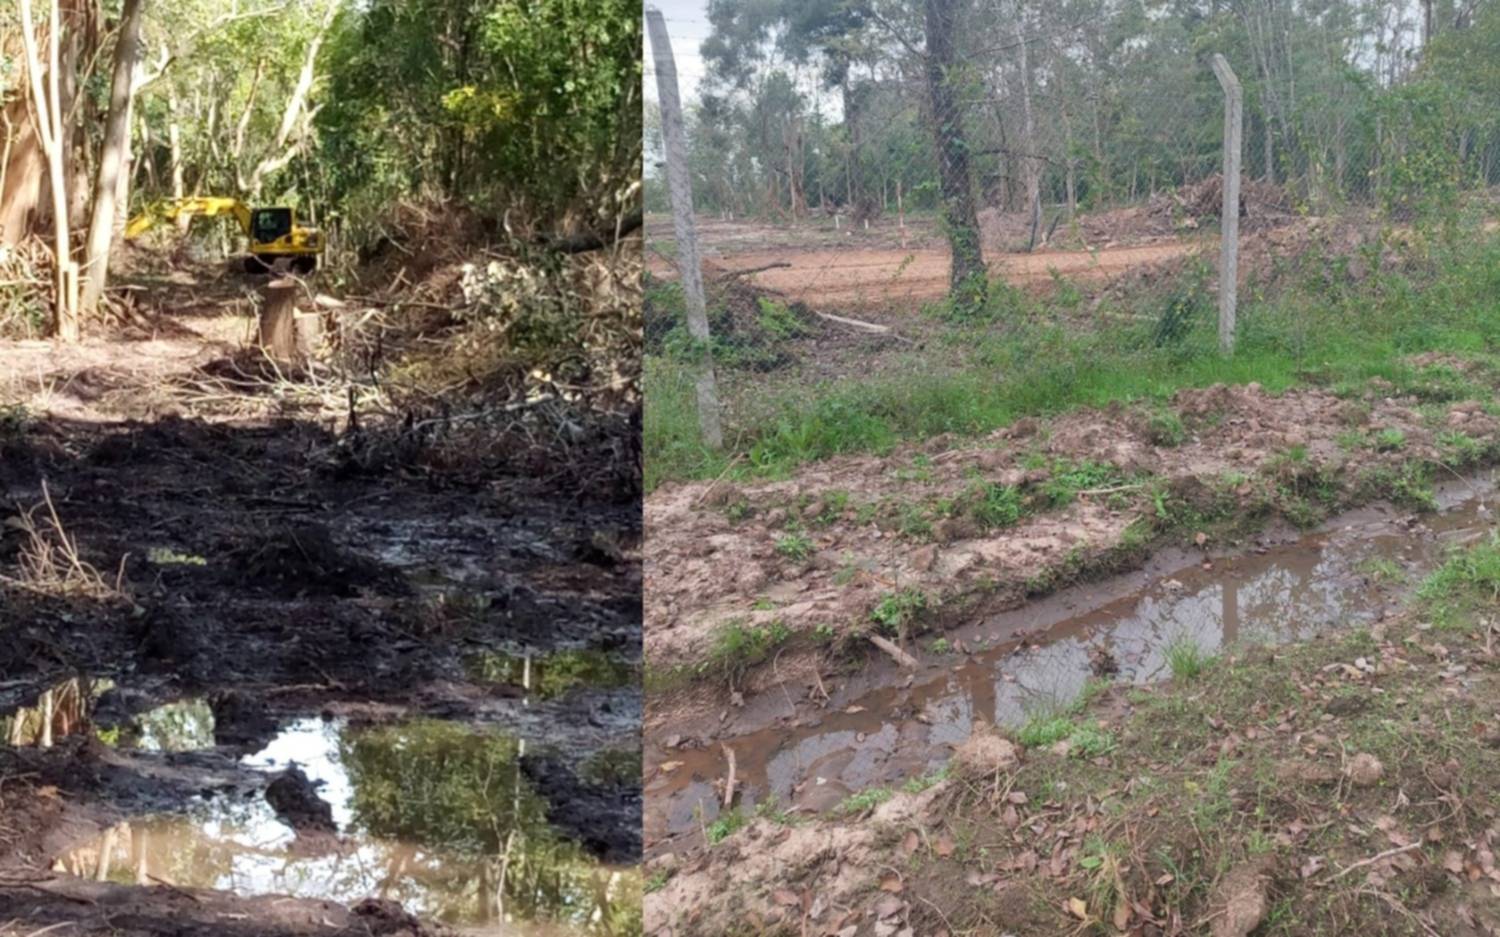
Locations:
278 321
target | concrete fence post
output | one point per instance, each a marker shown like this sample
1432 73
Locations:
680 186
1229 245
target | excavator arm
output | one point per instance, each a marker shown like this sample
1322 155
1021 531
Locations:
173 208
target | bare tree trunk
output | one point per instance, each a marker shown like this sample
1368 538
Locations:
1029 169
174 144
48 110
966 279
282 153
113 156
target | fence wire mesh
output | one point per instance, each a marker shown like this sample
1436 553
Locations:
851 162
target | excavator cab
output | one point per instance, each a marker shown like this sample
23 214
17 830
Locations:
268 224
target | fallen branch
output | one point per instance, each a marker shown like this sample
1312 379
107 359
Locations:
729 782
1376 858
595 240
776 265
862 326
898 655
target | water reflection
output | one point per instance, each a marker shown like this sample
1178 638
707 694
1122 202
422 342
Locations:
551 675
431 814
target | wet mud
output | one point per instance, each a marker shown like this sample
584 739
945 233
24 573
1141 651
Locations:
182 600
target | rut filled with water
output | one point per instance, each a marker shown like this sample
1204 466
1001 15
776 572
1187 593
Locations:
885 726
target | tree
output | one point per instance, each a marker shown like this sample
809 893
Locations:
113 156
49 122
966 278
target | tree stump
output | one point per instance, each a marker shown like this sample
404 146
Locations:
278 321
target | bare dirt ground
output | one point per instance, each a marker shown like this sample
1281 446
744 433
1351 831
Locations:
860 275
184 525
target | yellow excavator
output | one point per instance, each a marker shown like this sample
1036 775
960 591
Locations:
273 232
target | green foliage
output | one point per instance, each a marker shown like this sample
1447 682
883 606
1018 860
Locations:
865 800
728 823
895 611
738 646
998 505
472 98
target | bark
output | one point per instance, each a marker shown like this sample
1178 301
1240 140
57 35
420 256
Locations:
46 104
25 172
174 145
967 273
278 323
113 156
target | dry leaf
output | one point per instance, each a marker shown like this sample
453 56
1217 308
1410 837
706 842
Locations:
787 897
910 842
667 767
944 845
892 884
1078 909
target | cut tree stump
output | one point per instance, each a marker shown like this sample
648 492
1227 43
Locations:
278 321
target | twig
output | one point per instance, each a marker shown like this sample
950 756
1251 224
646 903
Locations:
1376 858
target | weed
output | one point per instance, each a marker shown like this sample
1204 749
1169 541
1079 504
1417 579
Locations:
738 646
1044 730
657 880
1164 428
941 646
1186 659
1390 440
796 546
895 611
867 799
728 823
997 505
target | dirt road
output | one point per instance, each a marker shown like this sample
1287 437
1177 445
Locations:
828 277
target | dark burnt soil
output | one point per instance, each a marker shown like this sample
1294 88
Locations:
273 568
67 905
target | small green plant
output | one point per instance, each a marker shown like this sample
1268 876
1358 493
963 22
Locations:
1090 741
941 646
780 321
1389 440
865 800
728 823
795 546
997 505
1042 731
657 880
895 611
922 782
1164 428
166 556
1460 448
824 633
738 646
1186 659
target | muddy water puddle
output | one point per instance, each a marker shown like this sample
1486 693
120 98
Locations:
434 815
882 730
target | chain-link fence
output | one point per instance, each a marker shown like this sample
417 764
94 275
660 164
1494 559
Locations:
848 163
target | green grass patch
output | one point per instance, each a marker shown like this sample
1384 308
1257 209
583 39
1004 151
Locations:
1297 335
1186 660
